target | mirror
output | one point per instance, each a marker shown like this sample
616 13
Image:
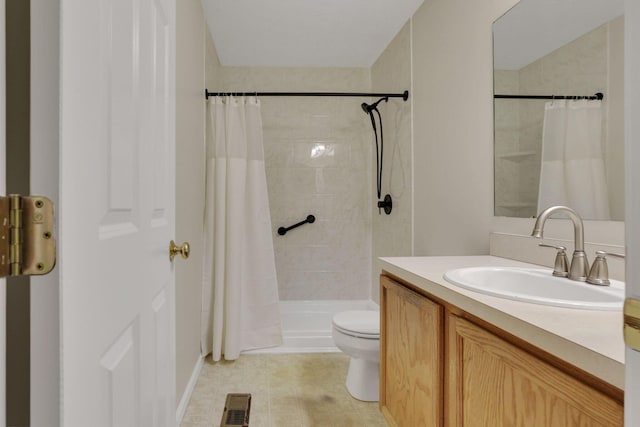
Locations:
555 149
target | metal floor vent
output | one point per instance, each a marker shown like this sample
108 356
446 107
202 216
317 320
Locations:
236 410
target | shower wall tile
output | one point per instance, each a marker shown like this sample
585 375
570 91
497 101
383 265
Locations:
392 234
318 161
506 111
322 154
318 285
289 180
506 82
305 235
278 155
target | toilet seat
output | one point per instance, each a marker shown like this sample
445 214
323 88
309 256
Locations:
358 323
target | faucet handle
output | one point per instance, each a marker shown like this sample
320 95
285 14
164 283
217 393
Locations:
599 274
605 254
561 265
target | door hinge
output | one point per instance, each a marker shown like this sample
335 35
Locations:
631 313
27 246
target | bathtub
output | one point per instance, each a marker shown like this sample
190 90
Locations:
306 325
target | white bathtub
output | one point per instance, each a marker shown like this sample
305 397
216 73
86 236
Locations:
306 325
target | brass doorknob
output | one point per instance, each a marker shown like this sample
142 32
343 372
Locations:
174 250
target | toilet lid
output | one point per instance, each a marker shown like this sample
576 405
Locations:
361 322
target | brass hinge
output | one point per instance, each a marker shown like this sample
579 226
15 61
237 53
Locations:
632 323
27 246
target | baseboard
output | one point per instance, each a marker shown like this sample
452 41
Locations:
184 401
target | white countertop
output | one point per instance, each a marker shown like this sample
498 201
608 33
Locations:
588 339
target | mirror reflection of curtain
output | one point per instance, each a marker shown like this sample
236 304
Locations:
240 307
573 171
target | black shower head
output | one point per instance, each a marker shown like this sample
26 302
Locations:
369 108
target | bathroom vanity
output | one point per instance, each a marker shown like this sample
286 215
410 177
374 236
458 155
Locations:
453 357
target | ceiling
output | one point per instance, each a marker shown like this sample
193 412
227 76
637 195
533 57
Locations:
305 33
535 28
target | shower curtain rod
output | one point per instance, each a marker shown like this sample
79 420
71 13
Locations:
598 95
404 95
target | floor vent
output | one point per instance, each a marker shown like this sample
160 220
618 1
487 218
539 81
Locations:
236 410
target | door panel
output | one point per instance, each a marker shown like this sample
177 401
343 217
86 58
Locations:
122 379
120 39
117 212
162 360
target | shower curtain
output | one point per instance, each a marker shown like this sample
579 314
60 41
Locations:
240 308
572 172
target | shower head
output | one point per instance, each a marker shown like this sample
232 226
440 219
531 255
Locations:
369 108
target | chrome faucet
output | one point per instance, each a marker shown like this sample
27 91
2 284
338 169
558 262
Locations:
579 269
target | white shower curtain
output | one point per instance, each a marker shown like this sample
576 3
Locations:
240 291
573 170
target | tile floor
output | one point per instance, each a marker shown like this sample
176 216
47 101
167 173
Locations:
301 390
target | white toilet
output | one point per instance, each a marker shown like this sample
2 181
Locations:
357 333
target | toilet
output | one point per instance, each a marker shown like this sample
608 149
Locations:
357 333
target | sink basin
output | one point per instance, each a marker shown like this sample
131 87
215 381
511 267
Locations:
538 286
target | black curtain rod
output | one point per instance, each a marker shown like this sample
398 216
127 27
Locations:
404 95
598 95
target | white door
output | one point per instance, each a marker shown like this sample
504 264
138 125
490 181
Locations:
116 212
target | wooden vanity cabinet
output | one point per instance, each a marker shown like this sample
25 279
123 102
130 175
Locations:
439 368
491 382
411 349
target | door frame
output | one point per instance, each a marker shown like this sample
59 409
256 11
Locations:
632 193
3 282
44 178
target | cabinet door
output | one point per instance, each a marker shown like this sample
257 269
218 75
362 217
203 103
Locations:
411 368
493 383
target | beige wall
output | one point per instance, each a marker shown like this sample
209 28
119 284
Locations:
453 125
615 120
213 69
391 234
190 68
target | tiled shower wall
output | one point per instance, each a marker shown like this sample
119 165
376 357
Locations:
318 159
